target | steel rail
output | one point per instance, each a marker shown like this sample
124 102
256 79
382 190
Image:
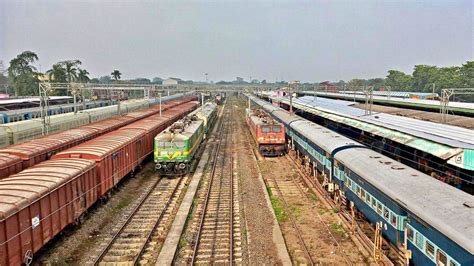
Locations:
124 225
208 193
231 222
293 222
162 213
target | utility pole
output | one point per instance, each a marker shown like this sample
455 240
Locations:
444 100
44 89
292 86
160 102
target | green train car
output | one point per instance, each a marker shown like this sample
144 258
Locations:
176 147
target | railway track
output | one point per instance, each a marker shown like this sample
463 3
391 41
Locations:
215 228
137 239
359 231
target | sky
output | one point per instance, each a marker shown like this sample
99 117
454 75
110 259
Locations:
290 40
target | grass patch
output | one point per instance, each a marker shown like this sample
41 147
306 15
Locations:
313 197
280 213
338 229
296 212
335 210
182 243
269 191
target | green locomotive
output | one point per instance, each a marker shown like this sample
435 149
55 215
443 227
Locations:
176 147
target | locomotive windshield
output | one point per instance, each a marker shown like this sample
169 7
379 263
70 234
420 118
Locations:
265 129
170 145
276 129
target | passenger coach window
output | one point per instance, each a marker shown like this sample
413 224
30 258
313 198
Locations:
430 250
410 233
385 213
393 220
442 259
452 263
265 129
276 129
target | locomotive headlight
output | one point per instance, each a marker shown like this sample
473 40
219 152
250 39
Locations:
182 166
158 166
163 153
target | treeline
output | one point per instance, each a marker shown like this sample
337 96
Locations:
23 77
424 78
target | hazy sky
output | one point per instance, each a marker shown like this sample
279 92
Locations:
309 41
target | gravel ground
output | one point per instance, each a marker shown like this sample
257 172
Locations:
326 240
77 243
259 218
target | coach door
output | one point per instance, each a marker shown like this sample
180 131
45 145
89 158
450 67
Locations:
139 150
115 167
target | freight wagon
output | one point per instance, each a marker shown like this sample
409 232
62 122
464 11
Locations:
38 203
20 131
41 149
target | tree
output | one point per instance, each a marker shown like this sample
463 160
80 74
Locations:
157 80
57 73
399 81
141 81
105 79
96 80
264 81
355 84
376 82
116 74
3 80
71 68
83 75
23 75
424 76
467 74
447 77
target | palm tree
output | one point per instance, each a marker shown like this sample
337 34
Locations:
71 67
83 75
116 74
57 73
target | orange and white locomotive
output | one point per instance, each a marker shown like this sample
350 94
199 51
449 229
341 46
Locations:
268 133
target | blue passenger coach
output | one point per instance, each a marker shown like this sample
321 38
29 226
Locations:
437 219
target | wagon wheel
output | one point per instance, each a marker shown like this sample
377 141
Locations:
28 259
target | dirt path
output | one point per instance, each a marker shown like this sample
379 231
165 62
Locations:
259 218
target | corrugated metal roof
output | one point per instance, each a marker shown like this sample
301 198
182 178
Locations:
443 141
435 103
453 136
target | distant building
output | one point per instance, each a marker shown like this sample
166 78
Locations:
173 81
44 77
